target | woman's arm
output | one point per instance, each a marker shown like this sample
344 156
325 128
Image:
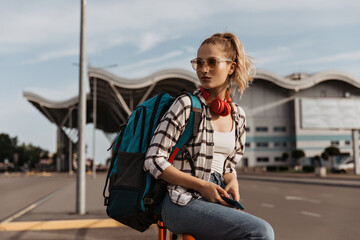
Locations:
232 185
230 178
208 190
166 134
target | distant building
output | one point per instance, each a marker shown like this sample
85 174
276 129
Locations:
272 105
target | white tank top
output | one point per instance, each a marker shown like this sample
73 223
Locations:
224 144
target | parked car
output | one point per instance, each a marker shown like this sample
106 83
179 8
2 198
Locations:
346 165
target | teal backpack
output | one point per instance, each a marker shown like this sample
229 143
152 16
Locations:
135 196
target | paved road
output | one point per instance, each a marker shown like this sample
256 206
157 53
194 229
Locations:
19 191
296 211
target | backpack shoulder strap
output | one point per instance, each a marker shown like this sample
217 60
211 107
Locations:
192 126
196 109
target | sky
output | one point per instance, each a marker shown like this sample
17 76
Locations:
39 46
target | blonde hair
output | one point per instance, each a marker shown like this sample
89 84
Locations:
245 69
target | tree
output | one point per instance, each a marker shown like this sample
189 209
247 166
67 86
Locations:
317 161
297 154
29 154
332 152
324 156
7 147
26 153
285 156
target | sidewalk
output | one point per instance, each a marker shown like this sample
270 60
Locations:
55 217
61 203
338 180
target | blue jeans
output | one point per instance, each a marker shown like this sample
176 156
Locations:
206 220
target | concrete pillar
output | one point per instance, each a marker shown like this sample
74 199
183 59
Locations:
355 136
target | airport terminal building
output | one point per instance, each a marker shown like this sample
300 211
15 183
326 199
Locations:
273 105
274 115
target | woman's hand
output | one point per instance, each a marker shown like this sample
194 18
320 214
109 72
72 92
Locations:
212 192
232 186
208 190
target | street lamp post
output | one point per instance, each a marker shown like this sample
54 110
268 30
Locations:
80 186
94 130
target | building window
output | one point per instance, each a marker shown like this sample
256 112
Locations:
347 142
261 129
262 159
279 129
280 144
247 144
279 159
334 143
262 144
245 162
247 129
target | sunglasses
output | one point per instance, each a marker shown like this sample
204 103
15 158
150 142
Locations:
211 62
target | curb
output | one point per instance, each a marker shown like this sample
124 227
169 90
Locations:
344 183
59 225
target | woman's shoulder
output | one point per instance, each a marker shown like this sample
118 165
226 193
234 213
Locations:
183 99
180 103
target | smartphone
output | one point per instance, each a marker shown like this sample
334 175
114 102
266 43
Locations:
233 203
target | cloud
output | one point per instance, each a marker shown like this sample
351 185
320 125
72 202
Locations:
57 94
149 61
280 53
143 23
14 105
141 14
285 5
342 57
44 23
149 40
43 57
54 27
271 56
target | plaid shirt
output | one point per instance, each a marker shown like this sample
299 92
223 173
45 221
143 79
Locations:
171 126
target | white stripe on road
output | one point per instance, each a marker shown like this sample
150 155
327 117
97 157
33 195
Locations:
310 214
31 207
268 205
297 198
20 213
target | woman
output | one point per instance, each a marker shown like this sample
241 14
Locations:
194 204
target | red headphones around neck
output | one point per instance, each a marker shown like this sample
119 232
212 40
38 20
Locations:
218 106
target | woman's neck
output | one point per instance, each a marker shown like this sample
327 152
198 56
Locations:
216 93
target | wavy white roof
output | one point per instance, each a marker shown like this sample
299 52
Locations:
111 88
145 81
306 80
